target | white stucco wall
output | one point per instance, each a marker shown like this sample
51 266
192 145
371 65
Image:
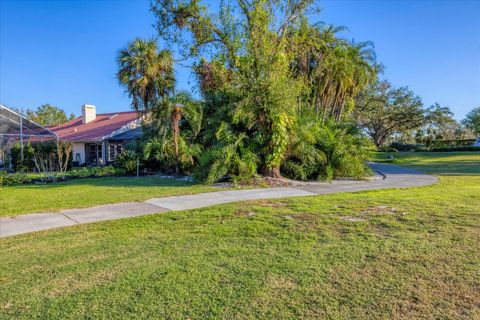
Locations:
79 147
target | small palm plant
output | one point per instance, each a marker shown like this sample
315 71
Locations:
176 123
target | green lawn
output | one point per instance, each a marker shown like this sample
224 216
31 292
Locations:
388 254
81 193
438 163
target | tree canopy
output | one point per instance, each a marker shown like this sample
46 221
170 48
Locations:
145 72
440 124
472 121
48 115
383 110
260 65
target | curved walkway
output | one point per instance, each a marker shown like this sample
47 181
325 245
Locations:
389 176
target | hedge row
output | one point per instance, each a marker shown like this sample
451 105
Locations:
397 146
454 149
92 172
15 178
22 178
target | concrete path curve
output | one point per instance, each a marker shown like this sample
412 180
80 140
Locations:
389 176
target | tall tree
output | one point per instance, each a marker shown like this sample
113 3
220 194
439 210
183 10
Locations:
48 115
440 124
472 121
249 39
146 73
336 70
383 110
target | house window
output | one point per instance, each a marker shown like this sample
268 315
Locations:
95 153
114 151
111 152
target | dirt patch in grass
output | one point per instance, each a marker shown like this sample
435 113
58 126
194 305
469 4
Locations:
352 219
279 282
76 282
305 217
244 213
382 210
271 204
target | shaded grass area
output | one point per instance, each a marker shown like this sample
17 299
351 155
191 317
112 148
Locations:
386 254
81 193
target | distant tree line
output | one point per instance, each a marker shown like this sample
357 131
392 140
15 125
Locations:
390 114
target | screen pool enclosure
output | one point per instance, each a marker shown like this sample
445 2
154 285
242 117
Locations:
17 129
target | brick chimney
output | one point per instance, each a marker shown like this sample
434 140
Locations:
89 113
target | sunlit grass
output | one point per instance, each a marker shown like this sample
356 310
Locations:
81 193
386 254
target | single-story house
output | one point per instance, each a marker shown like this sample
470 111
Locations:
97 139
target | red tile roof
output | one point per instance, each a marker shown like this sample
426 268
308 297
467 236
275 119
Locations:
95 130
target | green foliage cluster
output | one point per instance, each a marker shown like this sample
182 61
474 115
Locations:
13 179
128 160
15 158
383 110
433 145
395 115
23 178
323 152
450 143
455 149
472 121
40 156
86 172
265 72
48 115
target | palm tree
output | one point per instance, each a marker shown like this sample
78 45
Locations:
145 72
335 69
168 142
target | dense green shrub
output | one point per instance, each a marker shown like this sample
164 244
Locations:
455 149
325 152
162 152
93 172
36 151
449 143
104 171
16 158
434 146
387 149
128 160
13 179
230 156
81 173
405 146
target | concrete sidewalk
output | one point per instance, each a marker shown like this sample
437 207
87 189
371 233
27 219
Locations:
392 177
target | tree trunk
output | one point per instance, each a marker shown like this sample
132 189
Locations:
272 172
316 103
379 141
175 119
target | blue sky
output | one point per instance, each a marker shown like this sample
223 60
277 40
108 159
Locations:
63 52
